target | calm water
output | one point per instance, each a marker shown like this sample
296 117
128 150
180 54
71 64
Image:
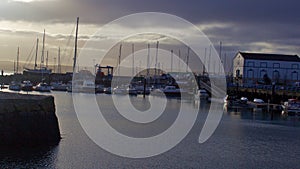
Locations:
242 140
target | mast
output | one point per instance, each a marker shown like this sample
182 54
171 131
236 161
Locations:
148 60
43 51
204 66
179 60
47 59
187 59
119 60
36 53
18 54
171 60
58 62
157 43
14 66
220 56
75 50
132 60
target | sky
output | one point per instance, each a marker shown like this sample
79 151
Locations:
271 26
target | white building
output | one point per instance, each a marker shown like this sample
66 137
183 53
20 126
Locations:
252 67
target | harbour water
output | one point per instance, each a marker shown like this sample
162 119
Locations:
242 140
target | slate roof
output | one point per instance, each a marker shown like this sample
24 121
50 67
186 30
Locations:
266 56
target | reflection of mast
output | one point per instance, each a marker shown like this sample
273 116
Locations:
75 50
36 53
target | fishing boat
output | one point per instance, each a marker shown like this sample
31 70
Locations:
43 87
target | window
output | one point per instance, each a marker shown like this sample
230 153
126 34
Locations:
250 73
263 64
295 66
295 75
250 64
262 73
276 65
237 73
276 75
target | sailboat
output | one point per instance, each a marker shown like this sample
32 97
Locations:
42 70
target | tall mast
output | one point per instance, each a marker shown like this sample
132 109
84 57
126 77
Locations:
119 59
18 54
148 60
171 60
36 52
179 60
204 66
132 60
43 51
47 59
187 59
75 50
220 56
58 62
157 43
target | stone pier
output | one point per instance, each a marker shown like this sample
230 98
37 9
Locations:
28 120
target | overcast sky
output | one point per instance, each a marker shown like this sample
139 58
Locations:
242 25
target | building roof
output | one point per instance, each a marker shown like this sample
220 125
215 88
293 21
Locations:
266 56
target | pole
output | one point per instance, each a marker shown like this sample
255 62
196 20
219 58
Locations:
179 60
220 57
58 62
43 51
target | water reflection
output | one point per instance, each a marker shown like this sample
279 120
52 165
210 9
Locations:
38 157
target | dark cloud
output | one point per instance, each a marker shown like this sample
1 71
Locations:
275 22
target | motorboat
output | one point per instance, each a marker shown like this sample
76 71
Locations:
292 107
132 91
107 90
202 94
82 86
58 86
171 91
258 100
14 86
119 90
43 87
26 85
244 100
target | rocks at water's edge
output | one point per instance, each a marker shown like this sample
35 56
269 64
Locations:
28 120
